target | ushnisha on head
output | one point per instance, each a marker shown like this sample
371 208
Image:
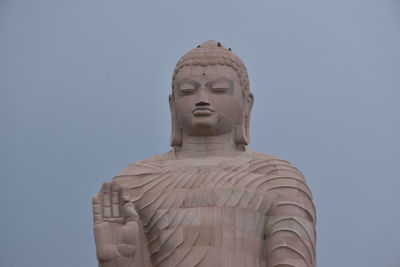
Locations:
212 53
210 95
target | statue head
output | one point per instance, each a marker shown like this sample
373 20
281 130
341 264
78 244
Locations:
210 95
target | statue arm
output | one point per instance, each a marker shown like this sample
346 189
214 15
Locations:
290 236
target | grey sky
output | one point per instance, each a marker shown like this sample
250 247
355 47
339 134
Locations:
77 78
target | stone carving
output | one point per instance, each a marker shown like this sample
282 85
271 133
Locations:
210 201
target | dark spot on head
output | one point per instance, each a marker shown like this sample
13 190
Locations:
204 73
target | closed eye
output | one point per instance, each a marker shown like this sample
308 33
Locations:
220 85
187 89
187 86
219 89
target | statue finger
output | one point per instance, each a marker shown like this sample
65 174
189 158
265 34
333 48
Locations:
106 194
125 193
124 197
130 213
115 188
97 209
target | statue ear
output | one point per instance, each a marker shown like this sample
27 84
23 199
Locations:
176 134
242 136
249 102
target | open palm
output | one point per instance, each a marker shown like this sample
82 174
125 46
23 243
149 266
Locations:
117 228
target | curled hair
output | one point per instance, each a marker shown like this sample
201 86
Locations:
213 53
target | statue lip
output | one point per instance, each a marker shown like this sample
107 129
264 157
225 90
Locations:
202 111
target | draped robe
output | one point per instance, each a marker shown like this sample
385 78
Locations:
250 210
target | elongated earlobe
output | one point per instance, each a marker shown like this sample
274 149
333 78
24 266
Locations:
176 137
242 133
242 136
176 134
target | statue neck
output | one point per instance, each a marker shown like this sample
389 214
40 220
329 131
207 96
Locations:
206 146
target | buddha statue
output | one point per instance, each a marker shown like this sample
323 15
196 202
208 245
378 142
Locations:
210 201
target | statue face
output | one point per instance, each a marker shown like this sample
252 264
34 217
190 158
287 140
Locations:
208 100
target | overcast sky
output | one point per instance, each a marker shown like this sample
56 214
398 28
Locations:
84 88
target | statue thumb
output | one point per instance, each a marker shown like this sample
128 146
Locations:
130 213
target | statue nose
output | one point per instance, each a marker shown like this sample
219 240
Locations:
203 104
202 97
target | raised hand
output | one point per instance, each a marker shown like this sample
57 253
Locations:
118 233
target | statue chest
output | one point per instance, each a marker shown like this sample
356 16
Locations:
217 209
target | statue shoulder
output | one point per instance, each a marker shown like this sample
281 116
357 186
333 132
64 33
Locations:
161 157
150 165
267 163
278 173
